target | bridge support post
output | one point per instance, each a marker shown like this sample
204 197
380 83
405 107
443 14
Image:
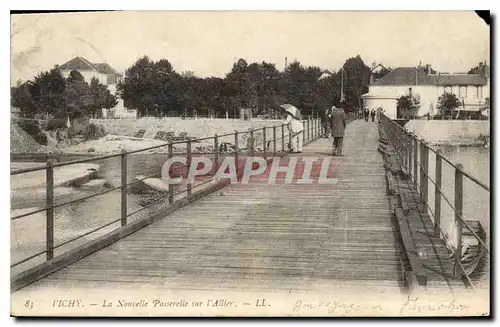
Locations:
49 199
188 162
437 193
170 185
216 153
458 218
124 188
274 140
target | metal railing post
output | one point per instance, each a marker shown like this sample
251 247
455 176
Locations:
236 152
124 188
170 186
49 198
274 140
264 141
415 160
189 159
216 153
458 216
424 179
283 138
251 142
410 155
437 193
307 132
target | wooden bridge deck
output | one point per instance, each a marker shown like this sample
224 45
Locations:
265 237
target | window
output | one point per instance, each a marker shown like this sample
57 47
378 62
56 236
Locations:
462 91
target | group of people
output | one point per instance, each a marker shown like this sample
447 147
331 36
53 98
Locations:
333 120
365 113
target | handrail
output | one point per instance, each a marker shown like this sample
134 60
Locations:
468 175
312 130
409 147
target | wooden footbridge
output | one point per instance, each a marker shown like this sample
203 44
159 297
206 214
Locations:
370 230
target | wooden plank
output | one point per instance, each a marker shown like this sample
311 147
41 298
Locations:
411 249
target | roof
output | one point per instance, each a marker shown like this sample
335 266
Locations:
80 63
407 76
462 79
106 69
403 76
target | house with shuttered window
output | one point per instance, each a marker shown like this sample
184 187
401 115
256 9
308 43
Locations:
426 86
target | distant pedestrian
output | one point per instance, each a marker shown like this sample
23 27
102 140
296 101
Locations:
372 113
325 122
295 126
367 113
337 122
379 113
360 113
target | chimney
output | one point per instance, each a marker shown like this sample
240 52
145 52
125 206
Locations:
428 68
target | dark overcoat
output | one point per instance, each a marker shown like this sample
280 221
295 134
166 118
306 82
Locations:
337 122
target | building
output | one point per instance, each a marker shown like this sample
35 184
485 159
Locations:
426 86
106 75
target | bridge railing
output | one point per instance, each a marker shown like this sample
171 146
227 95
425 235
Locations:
265 141
424 165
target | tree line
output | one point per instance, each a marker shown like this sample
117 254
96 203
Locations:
154 88
49 94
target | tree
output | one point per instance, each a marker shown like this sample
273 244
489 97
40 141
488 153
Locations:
101 97
356 81
404 107
481 69
381 73
151 87
22 99
447 103
47 91
77 97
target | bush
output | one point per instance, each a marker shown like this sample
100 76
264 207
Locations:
94 132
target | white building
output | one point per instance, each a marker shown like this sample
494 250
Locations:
471 89
106 75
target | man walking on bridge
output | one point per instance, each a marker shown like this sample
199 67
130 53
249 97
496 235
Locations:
337 124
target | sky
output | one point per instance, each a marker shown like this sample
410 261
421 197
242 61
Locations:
208 42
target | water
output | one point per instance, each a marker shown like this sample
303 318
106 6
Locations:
476 162
73 220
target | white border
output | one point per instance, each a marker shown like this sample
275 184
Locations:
186 5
